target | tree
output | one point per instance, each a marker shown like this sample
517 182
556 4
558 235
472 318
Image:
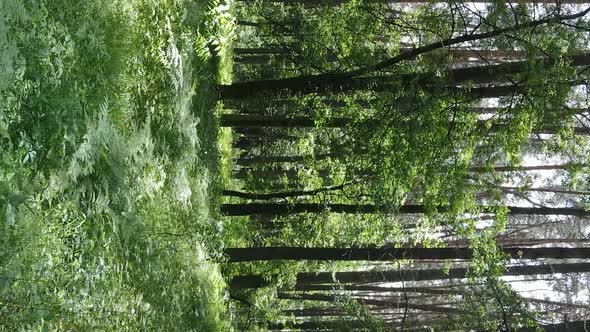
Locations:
246 209
388 254
304 279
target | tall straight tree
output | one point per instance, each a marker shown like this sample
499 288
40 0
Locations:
246 209
304 279
388 254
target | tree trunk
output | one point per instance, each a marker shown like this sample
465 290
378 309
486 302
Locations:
242 173
426 290
554 190
249 161
330 325
504 241
379 289
507 168
379 303
502 90
577 326
290 174
253 120
259 50
286 209
305 279
388 254
258 59
284 194
556 303
266 121
315 312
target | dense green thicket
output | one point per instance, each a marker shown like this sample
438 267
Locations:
108 157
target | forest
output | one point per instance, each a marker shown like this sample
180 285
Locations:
294 165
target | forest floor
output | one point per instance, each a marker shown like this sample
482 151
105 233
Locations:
110 209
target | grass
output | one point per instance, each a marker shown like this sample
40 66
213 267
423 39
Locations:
111 165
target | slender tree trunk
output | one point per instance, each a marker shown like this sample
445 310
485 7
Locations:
556 303
259 50
285 209
380 303
276 27
503 241
284 194
245 143
267 121
551 130
257 59
480 169
249 161
249 24
427 290
379 289
315 312
251 132
502 90
388 254
305 279
290 174
275 59
555 190
577 326
330 325
242 173
253 120
264 134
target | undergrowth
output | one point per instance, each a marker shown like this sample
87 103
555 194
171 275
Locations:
110 165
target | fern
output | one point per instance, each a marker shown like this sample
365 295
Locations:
100 154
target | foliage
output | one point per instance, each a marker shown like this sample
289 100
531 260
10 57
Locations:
108 157
416 133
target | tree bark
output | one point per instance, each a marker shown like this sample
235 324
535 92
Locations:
556 303
267 121
305 279
577 326
388 254
259 50
507 168
379 303
329 325
254 120
290 174
554 190
284 194
249 161
364 288
315 312
426 290
286 209
242 173
503 241
259 59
